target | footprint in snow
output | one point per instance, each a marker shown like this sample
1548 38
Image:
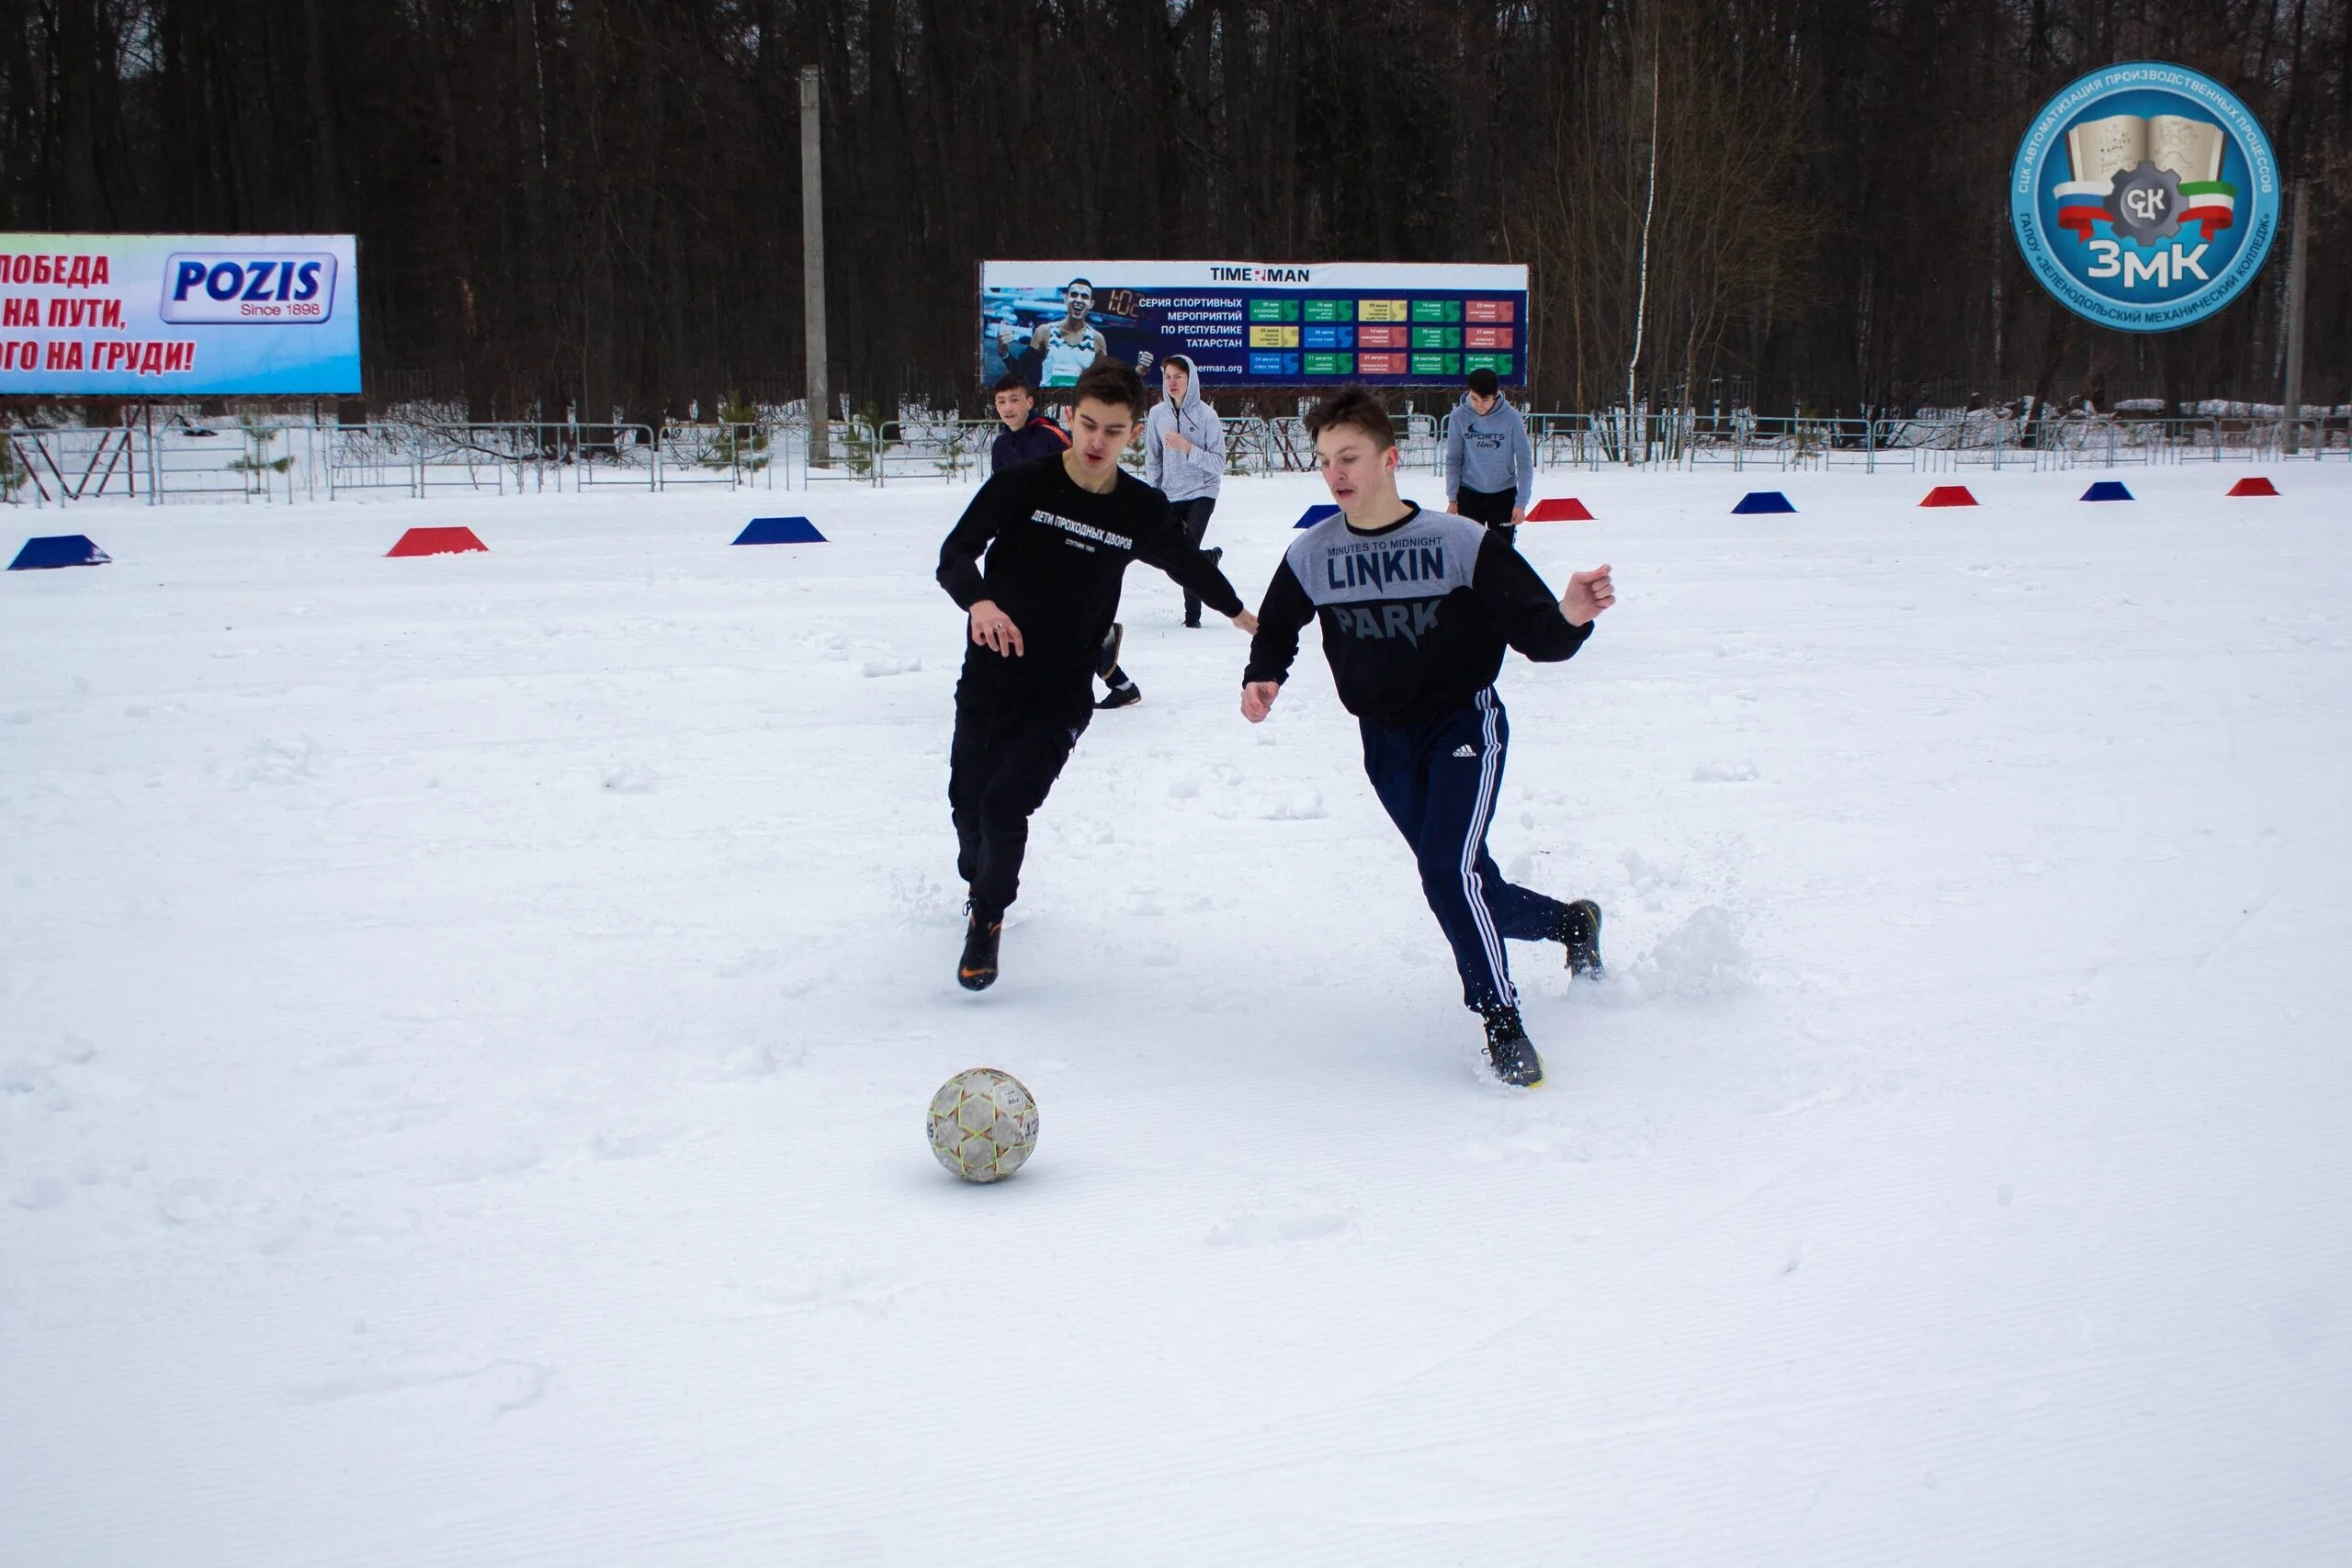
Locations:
634 778
1270 1229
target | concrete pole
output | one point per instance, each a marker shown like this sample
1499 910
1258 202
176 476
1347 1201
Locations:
2295 258
812 261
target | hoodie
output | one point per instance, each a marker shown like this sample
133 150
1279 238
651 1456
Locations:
1184 476
1489 451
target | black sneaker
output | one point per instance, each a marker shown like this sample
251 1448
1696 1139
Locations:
977 972
1121 696
1507 1047
1580 932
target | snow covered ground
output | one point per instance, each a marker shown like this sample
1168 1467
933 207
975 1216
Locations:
465 1024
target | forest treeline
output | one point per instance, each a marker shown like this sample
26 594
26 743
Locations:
595 204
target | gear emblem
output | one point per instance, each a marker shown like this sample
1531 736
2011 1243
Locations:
2145 204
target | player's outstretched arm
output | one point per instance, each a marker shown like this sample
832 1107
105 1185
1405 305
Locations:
1164 544
1282 614
1518 605
959 553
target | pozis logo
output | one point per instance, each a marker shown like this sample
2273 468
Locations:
2145 197
282 288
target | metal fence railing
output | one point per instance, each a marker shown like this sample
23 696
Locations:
260 461
421 456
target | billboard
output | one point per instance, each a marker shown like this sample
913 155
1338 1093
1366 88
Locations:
178 315
1251 324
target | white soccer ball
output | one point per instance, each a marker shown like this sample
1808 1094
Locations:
983 1124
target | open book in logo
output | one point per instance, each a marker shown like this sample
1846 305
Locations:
2149 177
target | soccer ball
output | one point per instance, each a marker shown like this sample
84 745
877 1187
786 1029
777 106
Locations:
983 1124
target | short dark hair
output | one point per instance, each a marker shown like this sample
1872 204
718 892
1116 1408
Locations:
1178 362
1483 382
1352 406
1074 283
1111 381
1011 380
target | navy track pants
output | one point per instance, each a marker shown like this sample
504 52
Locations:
1002 762
1437 781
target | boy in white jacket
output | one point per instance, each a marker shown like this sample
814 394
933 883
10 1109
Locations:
1184 458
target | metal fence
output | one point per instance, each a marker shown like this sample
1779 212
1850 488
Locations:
260 461
1926 442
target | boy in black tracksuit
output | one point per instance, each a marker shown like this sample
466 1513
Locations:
1416 608
1027 436
1059 534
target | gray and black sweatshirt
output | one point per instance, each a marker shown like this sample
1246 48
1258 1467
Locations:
1489 451
1416 615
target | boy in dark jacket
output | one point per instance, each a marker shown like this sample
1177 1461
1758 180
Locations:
1027 436
1417 609
1058 533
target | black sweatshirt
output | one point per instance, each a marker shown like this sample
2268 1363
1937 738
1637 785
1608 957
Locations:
1058 555
1416 615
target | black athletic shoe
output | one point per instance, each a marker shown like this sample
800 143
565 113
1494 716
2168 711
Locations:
1580 932
1121 696
977 972
1508 1049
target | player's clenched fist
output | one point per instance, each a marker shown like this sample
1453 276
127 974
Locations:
1589 593
1258 699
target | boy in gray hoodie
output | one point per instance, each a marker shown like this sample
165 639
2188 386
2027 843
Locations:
1489 462
1184 458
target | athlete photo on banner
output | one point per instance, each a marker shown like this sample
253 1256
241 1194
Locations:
1050 335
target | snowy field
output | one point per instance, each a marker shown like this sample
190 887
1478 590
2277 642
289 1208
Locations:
466 1024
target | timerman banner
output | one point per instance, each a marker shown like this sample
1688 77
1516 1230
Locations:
1253 324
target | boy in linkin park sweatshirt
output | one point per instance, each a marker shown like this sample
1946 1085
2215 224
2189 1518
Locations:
1059 533
1417 609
